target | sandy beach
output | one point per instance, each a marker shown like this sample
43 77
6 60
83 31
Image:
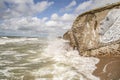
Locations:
108 68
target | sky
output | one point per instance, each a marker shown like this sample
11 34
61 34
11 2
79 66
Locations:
42 18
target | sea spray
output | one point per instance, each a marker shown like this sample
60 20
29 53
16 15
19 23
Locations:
43 59
67 63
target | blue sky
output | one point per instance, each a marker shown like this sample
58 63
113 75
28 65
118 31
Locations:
56 8
42 17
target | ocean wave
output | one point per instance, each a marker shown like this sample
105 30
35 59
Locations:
5 40
68 64
54 61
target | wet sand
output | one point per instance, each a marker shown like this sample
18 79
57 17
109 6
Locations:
108 68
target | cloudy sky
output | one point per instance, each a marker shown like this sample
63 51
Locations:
42 17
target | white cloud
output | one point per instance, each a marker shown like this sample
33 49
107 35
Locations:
92 4
57 24
101 3
39 7
24 23
55 17
83 6
52 24
22 8
65 21
69 6
68 17
72 4
16 17
19 1
65 17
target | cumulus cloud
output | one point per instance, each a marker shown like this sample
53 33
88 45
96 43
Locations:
83 6
60 24
68 17
56 24
18 8
69 6
92 4
64 21
54 16
24 23
101 3
15 15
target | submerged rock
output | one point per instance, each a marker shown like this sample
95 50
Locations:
96 32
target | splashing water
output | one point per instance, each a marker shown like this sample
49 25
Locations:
43 59
68 64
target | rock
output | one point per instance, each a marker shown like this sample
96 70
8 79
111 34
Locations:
69 36
96 32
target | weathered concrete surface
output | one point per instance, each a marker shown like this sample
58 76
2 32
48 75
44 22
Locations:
85 34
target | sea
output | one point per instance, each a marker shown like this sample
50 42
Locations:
23 58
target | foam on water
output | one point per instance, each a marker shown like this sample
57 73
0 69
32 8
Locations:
68 64
8 53
4 40
34 59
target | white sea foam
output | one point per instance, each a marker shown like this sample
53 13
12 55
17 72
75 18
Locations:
31 51
4 37
7 70
58 61
13 40
8 53
68 64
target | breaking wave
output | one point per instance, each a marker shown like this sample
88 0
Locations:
43 59
67 63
